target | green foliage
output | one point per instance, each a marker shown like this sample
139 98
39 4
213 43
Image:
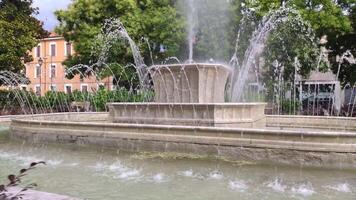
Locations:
339 45
19 33
284 45
29 102
157 21
325 16
290 107
334 19
5 97
103 96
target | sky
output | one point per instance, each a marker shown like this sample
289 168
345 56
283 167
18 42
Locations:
47 8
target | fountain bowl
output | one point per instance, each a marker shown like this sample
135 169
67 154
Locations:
190 83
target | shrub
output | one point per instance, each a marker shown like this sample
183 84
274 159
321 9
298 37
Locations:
29 102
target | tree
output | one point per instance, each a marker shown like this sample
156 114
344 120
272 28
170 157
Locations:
342 45
285 45
19 33
155 21
334 19
325 16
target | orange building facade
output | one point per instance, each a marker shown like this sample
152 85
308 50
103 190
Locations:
46 72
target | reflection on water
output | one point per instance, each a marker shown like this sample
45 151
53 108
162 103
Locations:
96 173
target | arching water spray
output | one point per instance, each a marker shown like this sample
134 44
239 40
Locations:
269 23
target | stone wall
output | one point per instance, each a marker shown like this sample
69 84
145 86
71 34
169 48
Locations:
315 122
304 147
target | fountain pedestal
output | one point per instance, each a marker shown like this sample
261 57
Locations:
246 115
190 95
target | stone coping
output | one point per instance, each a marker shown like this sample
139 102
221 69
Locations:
316 122
9 117
194 129
187 104
186 120
100 115
311 117
278 132
184 65
104 115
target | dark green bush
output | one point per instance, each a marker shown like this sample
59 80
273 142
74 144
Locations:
29 102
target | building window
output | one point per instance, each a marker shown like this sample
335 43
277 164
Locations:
68 49
38 90
38 71
53 88
38 51
52 72
68 89
84 88
53 49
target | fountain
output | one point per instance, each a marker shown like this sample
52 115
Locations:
190 94
189 115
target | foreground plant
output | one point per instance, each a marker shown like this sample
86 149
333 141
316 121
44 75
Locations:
14 181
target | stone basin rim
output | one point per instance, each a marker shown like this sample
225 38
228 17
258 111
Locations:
31 120
184 65
187 104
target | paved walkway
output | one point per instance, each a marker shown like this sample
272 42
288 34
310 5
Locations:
37 195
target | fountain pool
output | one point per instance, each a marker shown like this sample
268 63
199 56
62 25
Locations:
98 173
200 146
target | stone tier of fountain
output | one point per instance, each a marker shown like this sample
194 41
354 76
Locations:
190 95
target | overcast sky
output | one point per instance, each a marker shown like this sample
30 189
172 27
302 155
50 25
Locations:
47 7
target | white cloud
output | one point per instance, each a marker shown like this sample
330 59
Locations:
46 11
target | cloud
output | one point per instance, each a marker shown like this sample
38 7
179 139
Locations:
46 11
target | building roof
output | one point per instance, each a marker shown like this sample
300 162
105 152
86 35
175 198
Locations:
54 34
322 76
316 76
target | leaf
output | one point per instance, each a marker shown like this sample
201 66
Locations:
2 188
33 164
12 178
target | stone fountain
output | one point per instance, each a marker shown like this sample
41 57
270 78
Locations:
189 116
190 95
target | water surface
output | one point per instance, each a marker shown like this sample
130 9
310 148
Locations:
98 173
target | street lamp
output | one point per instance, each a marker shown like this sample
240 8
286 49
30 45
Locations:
40 62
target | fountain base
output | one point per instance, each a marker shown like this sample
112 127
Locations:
299 146
244 115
